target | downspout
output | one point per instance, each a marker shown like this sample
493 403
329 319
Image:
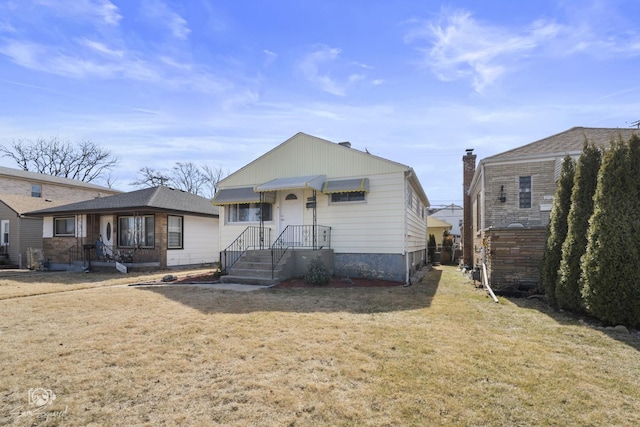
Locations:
406 230
482 217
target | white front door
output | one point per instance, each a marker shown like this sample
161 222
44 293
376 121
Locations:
106 233
291 211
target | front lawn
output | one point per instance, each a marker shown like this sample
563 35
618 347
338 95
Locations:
436 353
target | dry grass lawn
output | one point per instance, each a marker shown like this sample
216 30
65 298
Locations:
436 353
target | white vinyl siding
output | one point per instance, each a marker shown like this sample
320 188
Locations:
200 237
309 155
375 226
416 227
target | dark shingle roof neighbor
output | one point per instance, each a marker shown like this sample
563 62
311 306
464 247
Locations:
150 199
41 177
568 142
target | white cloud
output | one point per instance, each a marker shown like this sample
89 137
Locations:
325 68
462 47
270 57
105 11
159 13
312 63
102 48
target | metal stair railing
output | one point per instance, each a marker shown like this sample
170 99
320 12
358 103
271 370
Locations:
251 238
299 236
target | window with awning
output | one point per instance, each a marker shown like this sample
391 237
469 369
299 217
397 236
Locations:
346 185
228 196
314 182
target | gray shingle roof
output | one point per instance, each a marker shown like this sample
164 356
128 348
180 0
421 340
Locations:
568 142
151 199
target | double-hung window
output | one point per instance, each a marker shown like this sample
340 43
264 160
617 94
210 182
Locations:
174 232
136 231
64 227
36 190
524 192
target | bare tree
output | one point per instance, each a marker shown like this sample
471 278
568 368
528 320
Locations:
213 177
151 178
85 161
186 176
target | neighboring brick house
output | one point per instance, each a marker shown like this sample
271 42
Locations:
23 191
150 228
509 202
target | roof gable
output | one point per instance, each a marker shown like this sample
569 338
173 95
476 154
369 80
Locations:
568 142
156 198
304 155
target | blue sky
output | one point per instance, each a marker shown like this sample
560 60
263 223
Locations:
219 83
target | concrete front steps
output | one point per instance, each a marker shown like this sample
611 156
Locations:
254 268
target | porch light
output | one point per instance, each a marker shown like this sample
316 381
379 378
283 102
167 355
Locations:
503 195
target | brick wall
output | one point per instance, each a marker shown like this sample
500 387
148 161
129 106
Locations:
56 249
543 187
469 169
514 255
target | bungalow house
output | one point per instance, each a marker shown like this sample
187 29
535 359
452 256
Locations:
365 215
508 201
151 228
22 191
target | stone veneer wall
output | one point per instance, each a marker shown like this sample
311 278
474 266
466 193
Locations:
514 255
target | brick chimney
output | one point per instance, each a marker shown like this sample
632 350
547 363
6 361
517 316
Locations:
469 169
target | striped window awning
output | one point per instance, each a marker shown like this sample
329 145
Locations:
314 181
346 185
228 196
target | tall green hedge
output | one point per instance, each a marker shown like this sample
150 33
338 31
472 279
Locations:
610 275
557 230
568 295
431 247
